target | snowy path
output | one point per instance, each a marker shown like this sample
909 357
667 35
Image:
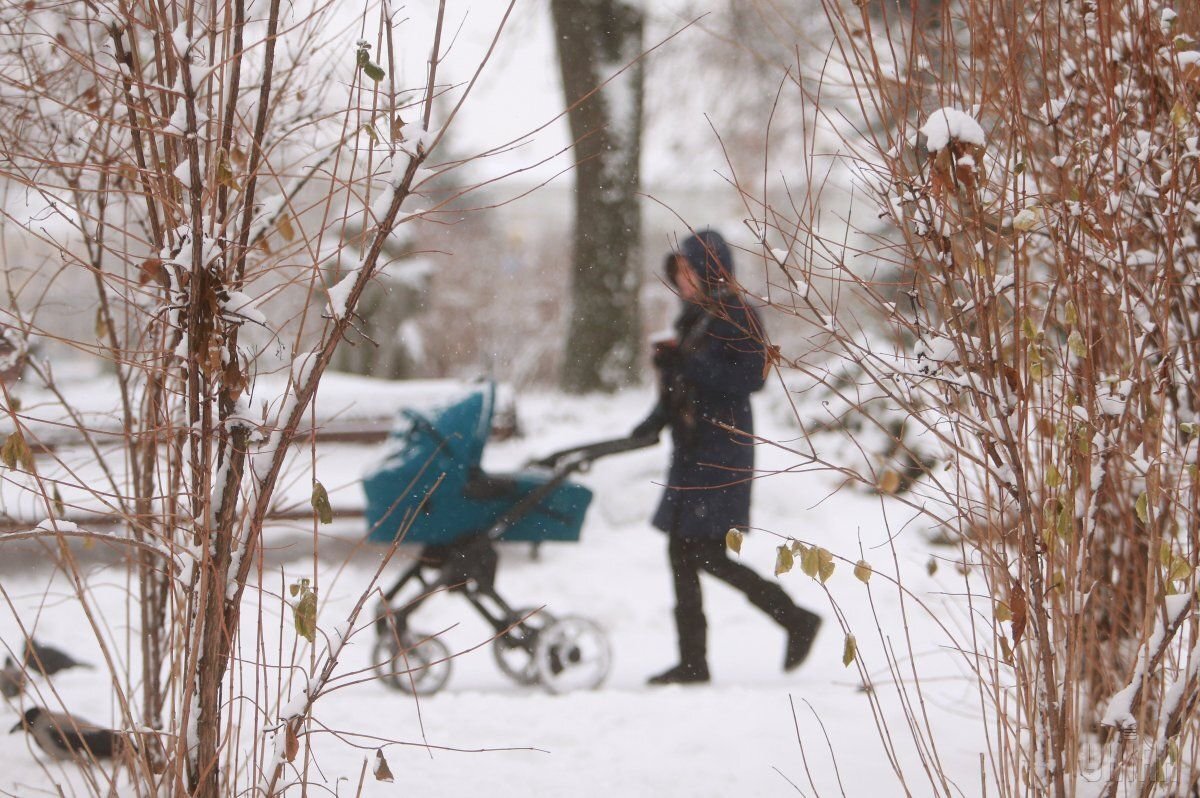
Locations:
734 737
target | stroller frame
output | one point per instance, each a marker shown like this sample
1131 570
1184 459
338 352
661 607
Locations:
530 646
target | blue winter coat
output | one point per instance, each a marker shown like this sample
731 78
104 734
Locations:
721 361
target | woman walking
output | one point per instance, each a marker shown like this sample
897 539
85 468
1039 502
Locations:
706 375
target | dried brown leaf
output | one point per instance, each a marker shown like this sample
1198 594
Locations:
381 770
889 482
291 743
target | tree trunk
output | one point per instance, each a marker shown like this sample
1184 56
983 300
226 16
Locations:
596 38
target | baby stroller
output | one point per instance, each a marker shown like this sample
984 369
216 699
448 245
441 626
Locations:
430 489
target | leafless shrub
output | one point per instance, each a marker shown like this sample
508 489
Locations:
1028 304
221 181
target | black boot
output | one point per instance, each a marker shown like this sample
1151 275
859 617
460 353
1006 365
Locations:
681 674
693 649
802 630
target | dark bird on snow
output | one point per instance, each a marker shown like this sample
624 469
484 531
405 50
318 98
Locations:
48 660
12 679
64 737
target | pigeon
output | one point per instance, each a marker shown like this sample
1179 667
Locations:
12 679
66 738
47 660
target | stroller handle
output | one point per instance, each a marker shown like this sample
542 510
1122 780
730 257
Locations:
578 456
563 464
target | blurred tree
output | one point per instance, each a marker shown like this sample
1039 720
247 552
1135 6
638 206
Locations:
598 42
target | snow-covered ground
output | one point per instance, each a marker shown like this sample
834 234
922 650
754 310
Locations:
753 731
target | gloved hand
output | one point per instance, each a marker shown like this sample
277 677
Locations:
666 355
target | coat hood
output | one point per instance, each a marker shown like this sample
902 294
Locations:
710 257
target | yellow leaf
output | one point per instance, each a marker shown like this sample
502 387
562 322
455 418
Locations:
15 452
1049 538
1180 569
374 71
783 560
306 616
1066 523
862 571
849 650
889 482
1003 613
1053 478
320 503
285 227
101 325
1076 345
825 564
1036 370
1180 116
798 548
810 564
1142 508
225 174
733 539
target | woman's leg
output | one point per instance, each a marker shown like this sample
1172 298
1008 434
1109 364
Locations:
689 604
690 626
765 594
769 596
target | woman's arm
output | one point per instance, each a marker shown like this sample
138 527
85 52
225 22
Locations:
653 424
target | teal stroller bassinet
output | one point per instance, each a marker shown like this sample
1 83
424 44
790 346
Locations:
430 489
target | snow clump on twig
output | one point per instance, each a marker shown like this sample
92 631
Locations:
950 124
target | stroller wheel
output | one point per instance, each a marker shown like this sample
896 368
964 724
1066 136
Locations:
572 654
415 663
515 649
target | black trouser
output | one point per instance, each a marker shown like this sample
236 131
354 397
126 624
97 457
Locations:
690 556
